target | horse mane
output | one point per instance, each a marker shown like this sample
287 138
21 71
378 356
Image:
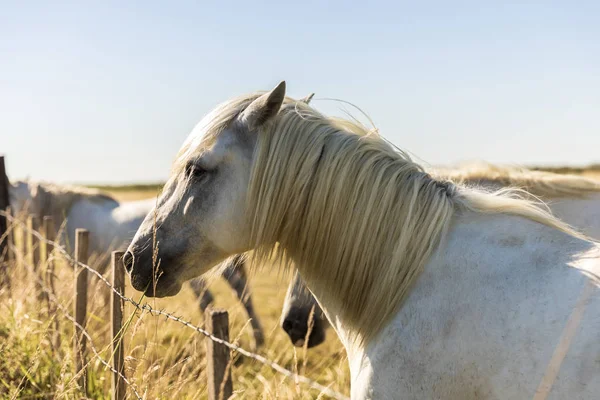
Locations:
357 214
546 185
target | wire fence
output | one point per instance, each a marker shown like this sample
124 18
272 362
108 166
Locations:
51 297
57 247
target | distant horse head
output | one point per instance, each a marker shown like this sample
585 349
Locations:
302 316
43 198
35 198
22 199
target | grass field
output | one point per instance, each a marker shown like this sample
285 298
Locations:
164 360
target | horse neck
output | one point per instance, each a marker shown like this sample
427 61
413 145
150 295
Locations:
344 329
345 209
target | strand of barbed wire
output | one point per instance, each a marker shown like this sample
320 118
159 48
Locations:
147 308
64 310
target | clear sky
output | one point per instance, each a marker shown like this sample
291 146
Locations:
107 92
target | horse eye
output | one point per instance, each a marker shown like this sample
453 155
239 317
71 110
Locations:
194 171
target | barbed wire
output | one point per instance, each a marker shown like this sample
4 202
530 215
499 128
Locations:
52 297
147 308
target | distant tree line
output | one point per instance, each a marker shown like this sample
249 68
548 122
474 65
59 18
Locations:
567 170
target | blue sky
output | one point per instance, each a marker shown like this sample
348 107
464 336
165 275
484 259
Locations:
107 92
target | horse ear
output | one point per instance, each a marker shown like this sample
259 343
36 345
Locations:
264 108
307 99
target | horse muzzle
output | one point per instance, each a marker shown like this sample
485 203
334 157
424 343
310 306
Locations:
147 276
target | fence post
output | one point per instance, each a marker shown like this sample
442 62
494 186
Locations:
218 369
49 235
33 249
31 242
7 256
80 306
116 312
4 203
19 233
10 236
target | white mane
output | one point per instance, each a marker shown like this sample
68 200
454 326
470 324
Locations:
357 214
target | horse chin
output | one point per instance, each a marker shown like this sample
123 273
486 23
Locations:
164 288
316 338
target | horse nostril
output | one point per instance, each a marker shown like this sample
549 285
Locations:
128 261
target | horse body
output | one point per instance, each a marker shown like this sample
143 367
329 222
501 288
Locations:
485 318
436 290
112 225
575 200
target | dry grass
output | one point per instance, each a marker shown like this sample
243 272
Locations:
164 359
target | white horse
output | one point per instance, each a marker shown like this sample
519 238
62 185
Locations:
435 289
112 225
574 199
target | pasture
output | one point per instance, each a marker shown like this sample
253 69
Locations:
162 358
280 200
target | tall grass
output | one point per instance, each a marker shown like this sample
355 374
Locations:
163 359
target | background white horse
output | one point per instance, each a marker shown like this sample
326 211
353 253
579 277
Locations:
112 225
435 289
574 199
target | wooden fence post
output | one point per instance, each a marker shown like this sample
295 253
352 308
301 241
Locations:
7 256
49 235
4 203
33 250
116 312
220 386
10 237
80 306
20 239
31 242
